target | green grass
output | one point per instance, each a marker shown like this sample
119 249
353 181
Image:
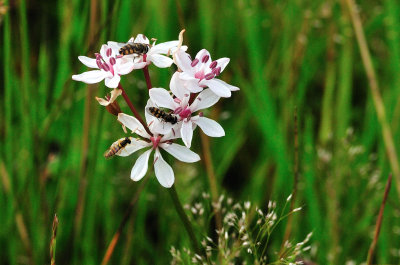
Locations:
284 54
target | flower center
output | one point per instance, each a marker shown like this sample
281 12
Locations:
155 140
103 64
185 113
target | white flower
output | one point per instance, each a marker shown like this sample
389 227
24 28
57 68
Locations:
163 171
110 68
184 109
154 55
201 72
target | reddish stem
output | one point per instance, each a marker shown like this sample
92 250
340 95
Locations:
146 73
147 77
134 111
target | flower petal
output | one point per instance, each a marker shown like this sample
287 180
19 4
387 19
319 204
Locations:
204 100
141 165
115 45
160 61
162 98
125 68
177 86
180 152
209 127
222 62
91 77
187 133
217 87
135 145
164 172
164 47
183 61
140 38
113 82
133 124
114 94
200 55
89 62
231 88
140 65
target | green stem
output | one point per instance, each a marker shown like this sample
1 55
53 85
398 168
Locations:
184 218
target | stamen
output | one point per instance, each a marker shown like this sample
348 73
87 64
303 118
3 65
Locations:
177 100
209 76
194 62
213 64
205 58
112 61
216 71
109 52
105 67
178 110
99 63
201 114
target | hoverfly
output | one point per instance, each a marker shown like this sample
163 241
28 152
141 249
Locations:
134 48
160 114
117 147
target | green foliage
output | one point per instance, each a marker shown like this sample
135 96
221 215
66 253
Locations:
284 54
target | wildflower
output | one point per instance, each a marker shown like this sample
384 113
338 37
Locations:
163 171
110 68
201 72
181 106
153 55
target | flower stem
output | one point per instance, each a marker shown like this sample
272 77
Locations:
133 109
147 77
184 218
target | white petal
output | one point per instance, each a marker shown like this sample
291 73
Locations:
103 50
89 62
177 86
140 38
187 133
222 62
203 53
217 87
180 152
133 124
113 82
140 65
164 172
91 77
115 45
174 133
135 145
209 127
183 61
125 68
160 61
231 88
162 98
204 100
141 165
164 47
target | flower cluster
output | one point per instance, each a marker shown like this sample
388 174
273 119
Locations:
169 114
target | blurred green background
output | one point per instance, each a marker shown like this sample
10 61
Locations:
285 55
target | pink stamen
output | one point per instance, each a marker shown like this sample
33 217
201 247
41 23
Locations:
213 64
201 114
178 110
105 67
113 61
209 76
144 57
194 62
177 100
108 52
205 58
155 141
216 71
99 63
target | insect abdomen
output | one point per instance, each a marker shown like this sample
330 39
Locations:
134 48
